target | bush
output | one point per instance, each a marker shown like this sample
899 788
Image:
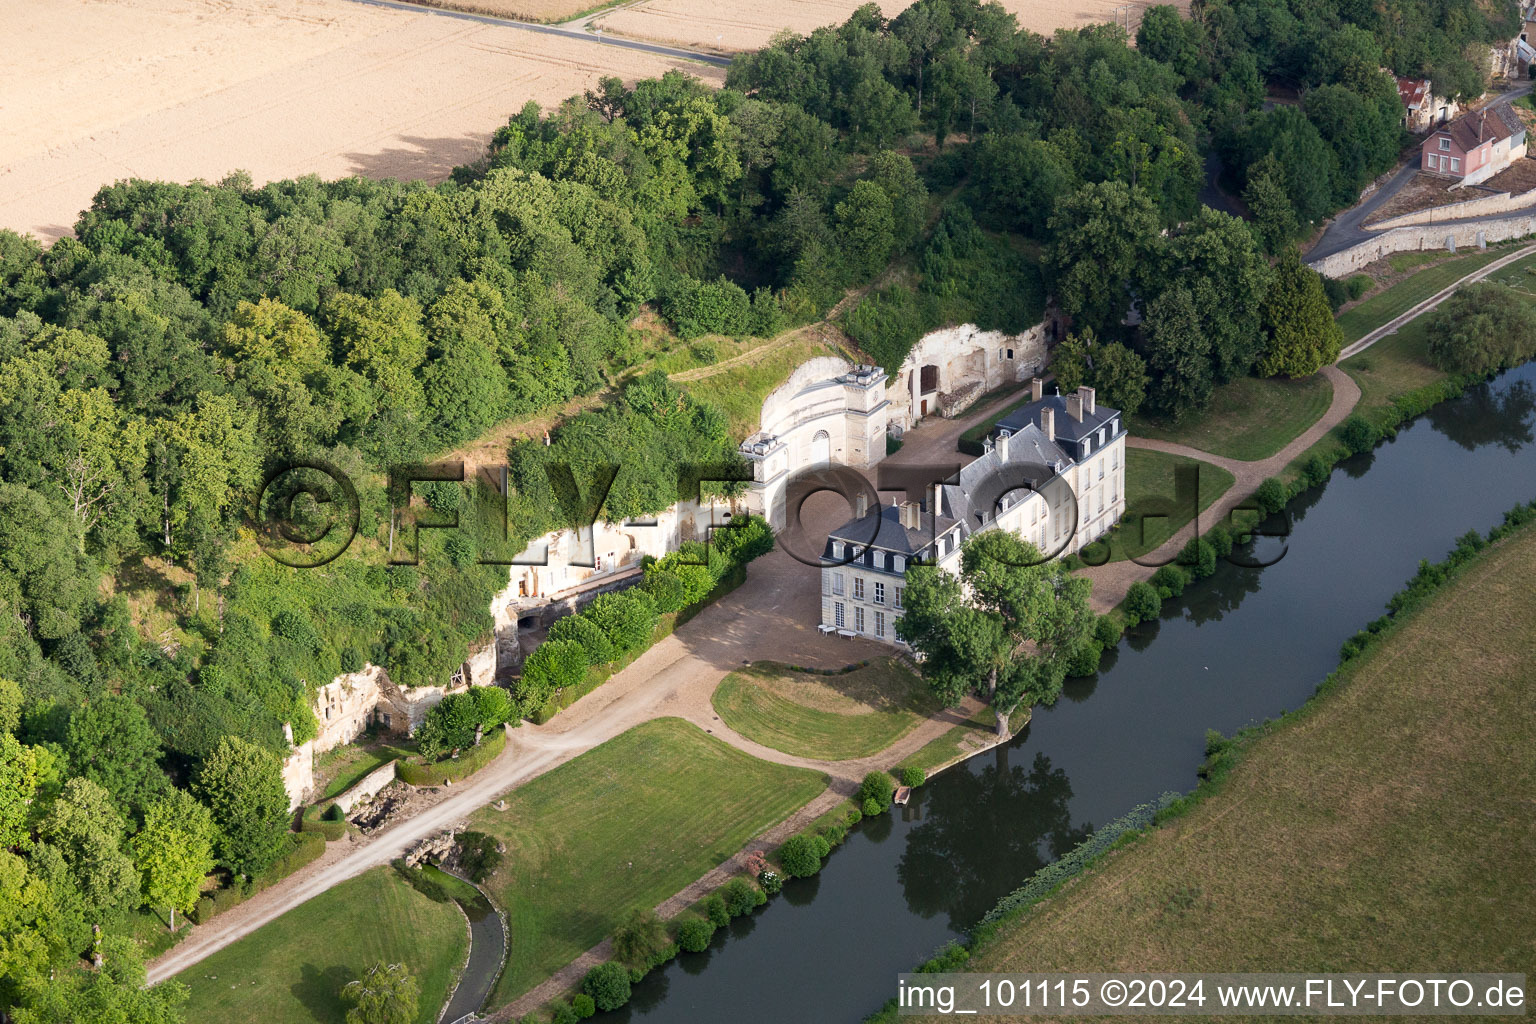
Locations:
329 822
798 857
741 897
1142 602
1200 558
608 985
1221 541
583 1005
479 855
694 933
626 618
714 909
564 1015
584 633
877 786
1271 496
1085 659
1106 631
440 772
1170 581
641 938
770 880
911 775
871 807
553 665
1315 470
665 589
1359 434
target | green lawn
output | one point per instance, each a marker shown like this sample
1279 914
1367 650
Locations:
624 825
830 718
1403 296
292 970
1152 514
1250 418
344 766
975 733
1382 828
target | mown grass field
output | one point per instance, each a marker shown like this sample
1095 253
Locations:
293 969
831 718
1403 296
1386 827
1152 512
624 825
1249 418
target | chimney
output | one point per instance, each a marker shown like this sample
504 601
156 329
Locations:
1088 399
934 498
1075 406
1048 423
1002 445
860 505
911 515
1036 389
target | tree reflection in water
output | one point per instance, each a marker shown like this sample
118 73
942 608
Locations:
1489 416
1001 822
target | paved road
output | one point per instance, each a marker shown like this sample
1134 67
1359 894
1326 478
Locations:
556 30
1345 230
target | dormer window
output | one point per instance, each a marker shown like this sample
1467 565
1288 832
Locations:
837 549
1445 143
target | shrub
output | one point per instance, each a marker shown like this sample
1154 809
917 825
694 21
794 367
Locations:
1106 631
553 665
694 933
877 786
583 1005
798 857
608 985
770 880
665 589
748 537
1221 541
714 909
1170 581
479 855
1359 434
911 775
626 618
584 633
871 807
1085 659
564 1015
640 938
1199 556
741 897
1142 602
1271 496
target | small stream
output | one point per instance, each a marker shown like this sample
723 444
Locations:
1244 645
487 950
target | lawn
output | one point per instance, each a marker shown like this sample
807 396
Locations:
974 734
739 390
830 718
339 769
1393 366
1153 512
624 825
1385 827
292 970
1403 296
1250 418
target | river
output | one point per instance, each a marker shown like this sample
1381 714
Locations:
1244 645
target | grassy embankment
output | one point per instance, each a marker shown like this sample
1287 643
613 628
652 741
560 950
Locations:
293 969
1153 513
1382 827
1250 418
827 717
625 825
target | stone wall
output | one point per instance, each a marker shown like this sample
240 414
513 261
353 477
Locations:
1503 202
366 788
967 363
299 774
1427 236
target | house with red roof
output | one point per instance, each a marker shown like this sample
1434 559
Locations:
1422 109
1475 146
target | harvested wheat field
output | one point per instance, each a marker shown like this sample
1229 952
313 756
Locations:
92 92
744 25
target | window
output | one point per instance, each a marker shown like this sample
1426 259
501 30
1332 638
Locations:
837 584
858 618
900 592
1010 353
901 563
858 588
880 624
1432 162
597 563
837 614
879 593
1114 459
1455 165
1085 511
1445 143
837 549
879 557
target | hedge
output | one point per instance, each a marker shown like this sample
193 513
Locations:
313 820
305 849
441 773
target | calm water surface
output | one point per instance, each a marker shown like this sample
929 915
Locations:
1242 646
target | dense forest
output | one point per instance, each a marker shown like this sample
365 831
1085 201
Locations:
191 338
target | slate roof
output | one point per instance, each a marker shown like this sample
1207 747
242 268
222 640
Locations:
1488 125
1066 427
891 535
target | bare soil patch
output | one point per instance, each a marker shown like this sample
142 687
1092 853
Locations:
1422 192
732 27
1519 177
182 89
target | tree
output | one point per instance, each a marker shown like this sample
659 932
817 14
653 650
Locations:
1303 335
1178 354
1274 218
174 851
1119 377
553 665
1482 328
385 994
866 228
640 938
1165 36
1069 362
626 618
1019 180
117 994
608 985
1005 628
21 769
1103 235
243 785
88 832
111 742
585 634
1215 257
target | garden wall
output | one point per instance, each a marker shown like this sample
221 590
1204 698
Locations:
1503 202
1427 236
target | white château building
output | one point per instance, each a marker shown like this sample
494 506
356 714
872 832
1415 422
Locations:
1053 473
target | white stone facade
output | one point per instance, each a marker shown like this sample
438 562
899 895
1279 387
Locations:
948 370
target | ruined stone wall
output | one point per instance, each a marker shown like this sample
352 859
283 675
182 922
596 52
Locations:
1427 236
1501 203
970 362
366 788
299 774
